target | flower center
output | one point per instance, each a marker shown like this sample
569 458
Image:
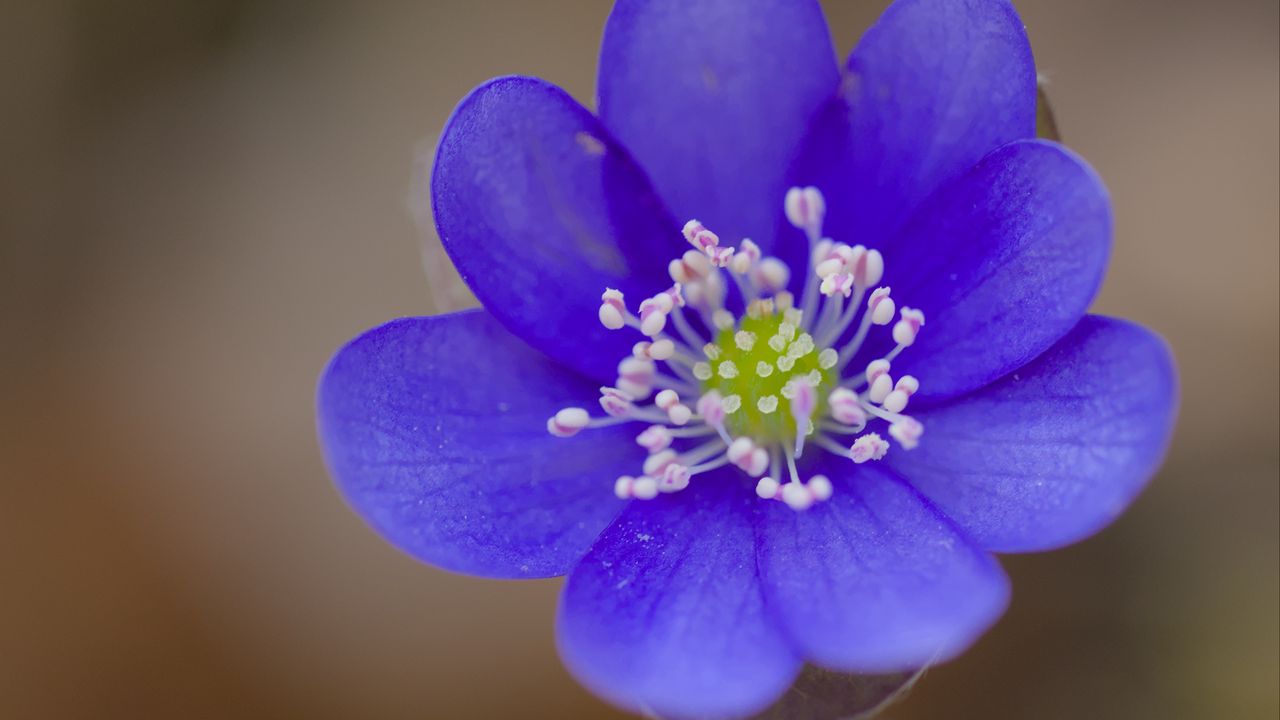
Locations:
759 365
755 390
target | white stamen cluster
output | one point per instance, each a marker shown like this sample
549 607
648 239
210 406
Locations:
678 361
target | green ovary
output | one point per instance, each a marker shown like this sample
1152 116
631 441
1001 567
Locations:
752 367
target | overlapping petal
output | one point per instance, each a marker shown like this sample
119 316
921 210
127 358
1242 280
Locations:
713 98
1058 449
930 89
1003 261
435 431
665 615
876 579
541 209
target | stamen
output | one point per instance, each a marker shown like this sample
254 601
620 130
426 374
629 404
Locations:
844 407
907 432
669 400
641 488
906 329
654 439
568 422
613 312
615 402
771 275
896 401
805 208
732 385
868 447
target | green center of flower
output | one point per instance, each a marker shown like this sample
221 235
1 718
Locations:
755 366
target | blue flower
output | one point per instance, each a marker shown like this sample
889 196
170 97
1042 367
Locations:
840 419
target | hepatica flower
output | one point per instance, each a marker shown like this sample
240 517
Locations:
773 355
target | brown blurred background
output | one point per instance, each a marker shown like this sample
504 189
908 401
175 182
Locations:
201 199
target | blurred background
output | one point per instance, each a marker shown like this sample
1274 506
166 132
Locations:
201 199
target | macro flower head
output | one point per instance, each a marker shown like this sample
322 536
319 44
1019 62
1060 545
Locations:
774 354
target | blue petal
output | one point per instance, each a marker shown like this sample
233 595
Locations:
930 89
435 431
1057 450
876 579
540 209
713 97
665 615
1004 261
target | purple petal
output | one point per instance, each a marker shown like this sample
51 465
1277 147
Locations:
930 89
1004 261
875 579
435 431
665 616
541 210
713 97
1057 450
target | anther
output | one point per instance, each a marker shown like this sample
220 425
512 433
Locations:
907 432
635 376
767 488
711 407
568 422
796 496
868 447
699 236
876 368
750 458
613 312
896 401
657 462
720 256
799 496
641 488
805 208
616 402
653 314
689 267
844 407
654 439
771 275
906 329
869 268
662 349
880 306
669 400
675 477
838 283
747 256
832 262
880 388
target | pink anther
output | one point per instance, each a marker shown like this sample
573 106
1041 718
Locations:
568 422
844 407
908 327
868 447
711 407
615 402
805 208
613 311
838 283
880 306
907 432
674 478
654 439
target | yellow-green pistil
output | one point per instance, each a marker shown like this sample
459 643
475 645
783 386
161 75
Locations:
754 367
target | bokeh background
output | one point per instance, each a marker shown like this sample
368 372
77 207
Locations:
201 199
